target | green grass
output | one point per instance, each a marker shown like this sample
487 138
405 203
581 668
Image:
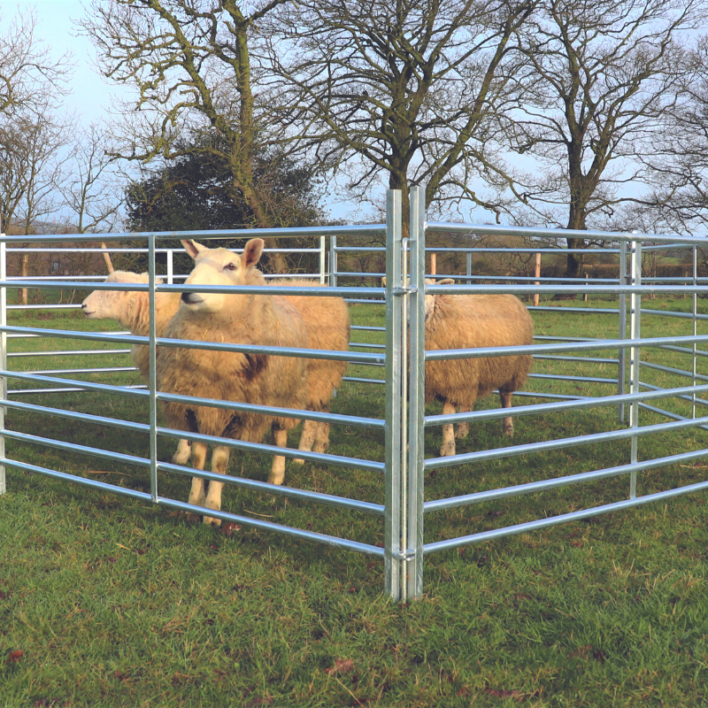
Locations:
114 602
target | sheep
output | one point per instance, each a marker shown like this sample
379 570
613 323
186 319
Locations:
327 322
259 320
326 319
474 321
131 310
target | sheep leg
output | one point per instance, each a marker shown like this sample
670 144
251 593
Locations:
219 463
277 472
448 446
182 453
322 435
307 439
508 422
463 429
197 494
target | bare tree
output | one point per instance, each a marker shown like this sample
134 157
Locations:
93 190
602 78
404 91
190 63
678 159
29 76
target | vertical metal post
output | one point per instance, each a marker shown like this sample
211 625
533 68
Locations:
394 365
333 261
622 354
153 370
3 358
404 420
695 327
635 353
416 406
323 259
468 270
170 267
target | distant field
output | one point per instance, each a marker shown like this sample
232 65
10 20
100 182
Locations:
112 602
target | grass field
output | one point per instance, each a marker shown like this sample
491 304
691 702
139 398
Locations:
105 601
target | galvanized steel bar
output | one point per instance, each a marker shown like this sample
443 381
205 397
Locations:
190 508
333 261
394 333
211 234
583 346
622 353
635 314
275 489
362 358
503 230
323 259
152 349
3 362
416 451
695 327
562 518
548 408
546 485
559 444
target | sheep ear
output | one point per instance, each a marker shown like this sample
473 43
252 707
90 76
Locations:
192 247
446 281
383 281
252 253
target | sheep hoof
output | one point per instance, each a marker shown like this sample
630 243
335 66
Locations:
298 462
463 430
276 479
178 459
447 450
211 521
509 431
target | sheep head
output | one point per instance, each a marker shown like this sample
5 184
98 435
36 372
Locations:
113 304
219 266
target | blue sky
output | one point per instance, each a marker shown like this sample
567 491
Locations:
91 94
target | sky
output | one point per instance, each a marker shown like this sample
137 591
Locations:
91 94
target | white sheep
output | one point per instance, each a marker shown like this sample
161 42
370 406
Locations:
258 320
131 309
467 322
326 319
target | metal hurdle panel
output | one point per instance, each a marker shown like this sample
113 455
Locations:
403 507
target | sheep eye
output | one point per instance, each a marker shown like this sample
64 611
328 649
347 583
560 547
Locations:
230 266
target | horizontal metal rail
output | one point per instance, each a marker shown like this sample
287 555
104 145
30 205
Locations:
562 518
323 417
314 291
503 230
533 349
560 444
546 485
209 234
321 457
548 408
209 402
361 357
192 509
275 489
280 490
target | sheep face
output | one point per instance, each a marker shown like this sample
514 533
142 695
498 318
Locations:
218 266
111 304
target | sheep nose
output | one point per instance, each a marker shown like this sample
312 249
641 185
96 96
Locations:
185 297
